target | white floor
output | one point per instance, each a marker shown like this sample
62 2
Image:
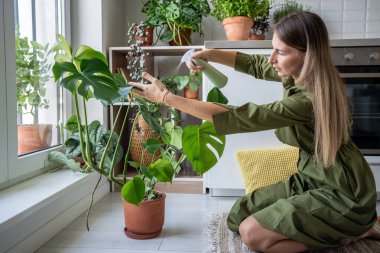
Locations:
183 231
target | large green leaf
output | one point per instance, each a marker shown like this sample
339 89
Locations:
215 95
162 170
86 53
133 191
175 133
197 140
62 45
93 76
72 124
73 147
60 158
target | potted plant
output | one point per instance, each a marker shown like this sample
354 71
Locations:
238 16
85 74
98 141
179 16
286 8
189 84
259 28
32 75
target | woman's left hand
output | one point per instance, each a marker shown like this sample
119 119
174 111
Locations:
153 91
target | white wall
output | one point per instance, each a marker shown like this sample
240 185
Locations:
98 24
345 19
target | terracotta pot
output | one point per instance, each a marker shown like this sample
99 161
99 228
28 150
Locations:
33 137
183 39
238 28
257 36
148 40
145 221
187 93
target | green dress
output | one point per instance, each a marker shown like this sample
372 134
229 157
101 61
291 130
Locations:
315 206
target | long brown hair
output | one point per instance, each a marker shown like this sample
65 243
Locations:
307 32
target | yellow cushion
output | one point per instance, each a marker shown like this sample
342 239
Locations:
265 166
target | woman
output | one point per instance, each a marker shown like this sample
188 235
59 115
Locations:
332 198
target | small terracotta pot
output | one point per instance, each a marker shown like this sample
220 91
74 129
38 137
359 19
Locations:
238 28
33 137
184 38
257 36
145 221
187 93
148 40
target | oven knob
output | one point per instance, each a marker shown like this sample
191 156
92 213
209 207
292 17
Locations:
349 56
374 56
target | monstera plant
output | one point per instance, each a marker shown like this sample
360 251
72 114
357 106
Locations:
86 75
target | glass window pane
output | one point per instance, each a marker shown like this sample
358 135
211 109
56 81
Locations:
38 97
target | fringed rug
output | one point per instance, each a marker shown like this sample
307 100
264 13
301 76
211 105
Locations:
222 240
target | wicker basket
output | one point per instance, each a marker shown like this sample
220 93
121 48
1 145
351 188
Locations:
141 133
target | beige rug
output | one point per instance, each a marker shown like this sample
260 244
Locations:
222 240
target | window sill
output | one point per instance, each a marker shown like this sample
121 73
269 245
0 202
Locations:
28 207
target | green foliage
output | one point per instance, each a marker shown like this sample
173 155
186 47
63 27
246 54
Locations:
248 8
176 14
85 73
196 144
286 8
216 96
99 137
32 75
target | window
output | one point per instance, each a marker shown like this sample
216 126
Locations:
30 101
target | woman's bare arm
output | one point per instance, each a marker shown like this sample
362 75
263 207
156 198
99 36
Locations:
214 55
157 92
199 109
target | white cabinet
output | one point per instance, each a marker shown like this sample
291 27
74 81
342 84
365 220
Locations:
225 178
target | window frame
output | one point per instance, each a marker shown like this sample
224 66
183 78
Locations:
26 166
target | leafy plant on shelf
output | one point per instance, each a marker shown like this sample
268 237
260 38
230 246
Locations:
32 75
85 74
286 8
248 8
176 15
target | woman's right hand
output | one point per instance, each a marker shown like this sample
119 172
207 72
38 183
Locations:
204 55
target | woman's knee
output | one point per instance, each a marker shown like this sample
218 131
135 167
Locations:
249 232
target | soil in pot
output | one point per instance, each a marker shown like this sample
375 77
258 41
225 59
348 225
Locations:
145 221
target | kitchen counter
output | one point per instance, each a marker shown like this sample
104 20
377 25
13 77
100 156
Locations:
262 44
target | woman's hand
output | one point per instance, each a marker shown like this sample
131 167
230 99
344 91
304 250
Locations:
155 91
204 55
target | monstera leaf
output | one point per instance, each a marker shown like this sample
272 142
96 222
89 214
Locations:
93 77
196 142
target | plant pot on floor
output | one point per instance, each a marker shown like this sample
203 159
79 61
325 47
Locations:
33 137
238 28
145 221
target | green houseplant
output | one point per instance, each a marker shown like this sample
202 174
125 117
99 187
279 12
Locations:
32 75
180 16
85 73
238 16
286 8
260 26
